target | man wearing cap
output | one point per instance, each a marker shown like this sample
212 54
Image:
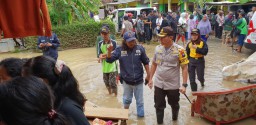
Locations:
196 50
132 58
167 60
109 69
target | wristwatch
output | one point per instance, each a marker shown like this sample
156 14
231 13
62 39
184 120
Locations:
185 85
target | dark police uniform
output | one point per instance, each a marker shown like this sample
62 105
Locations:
51 51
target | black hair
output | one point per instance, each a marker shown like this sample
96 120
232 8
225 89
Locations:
164 15
63 84
28 101
13 66
124 45
191 16
242 13
125 17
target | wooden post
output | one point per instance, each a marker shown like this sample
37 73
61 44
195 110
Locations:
185 5
193 108
169 5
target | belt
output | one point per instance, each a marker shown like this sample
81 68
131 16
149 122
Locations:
198 58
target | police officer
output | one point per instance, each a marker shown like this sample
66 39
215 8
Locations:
49 45
196 50
167 60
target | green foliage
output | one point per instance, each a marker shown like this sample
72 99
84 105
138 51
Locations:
64 12
76 35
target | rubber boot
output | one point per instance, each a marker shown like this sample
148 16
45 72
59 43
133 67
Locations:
193 86
175 113
160 116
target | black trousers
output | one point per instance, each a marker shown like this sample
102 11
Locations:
219 32
147 33
173 97
141 38
196 66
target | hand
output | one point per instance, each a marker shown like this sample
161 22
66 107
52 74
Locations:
99 60
103 56
110 48
48 44
194 46
150 84
182 89
41 45
206 36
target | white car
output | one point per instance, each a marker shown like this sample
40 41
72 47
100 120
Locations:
250 41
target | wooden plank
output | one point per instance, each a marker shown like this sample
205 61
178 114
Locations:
106 113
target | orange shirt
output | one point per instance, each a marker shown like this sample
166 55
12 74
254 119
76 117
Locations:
21 18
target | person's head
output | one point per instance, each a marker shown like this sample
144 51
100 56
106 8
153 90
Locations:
241 14
205 18
239 11
129 41
170 12
125 17
139 16
164 15
174 15
159 15
230 13
58 75
254 8
191 17
154 12
195 36
194 13
220 12
10 68
28 101
151 12
130 15
183 15
105 33
166 36
208 11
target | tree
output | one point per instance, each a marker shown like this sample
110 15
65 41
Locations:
67 11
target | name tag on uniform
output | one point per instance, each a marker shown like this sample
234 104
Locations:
123 53
138 53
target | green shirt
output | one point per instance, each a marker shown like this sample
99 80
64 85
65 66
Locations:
107 67
241 24
228 25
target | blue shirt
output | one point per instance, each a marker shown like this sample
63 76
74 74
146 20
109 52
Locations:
51 51
131 68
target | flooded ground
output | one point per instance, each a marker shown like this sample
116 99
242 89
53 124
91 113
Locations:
88 72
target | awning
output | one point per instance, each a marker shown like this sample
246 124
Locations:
120 2
225 3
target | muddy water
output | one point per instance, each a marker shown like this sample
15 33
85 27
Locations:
88 72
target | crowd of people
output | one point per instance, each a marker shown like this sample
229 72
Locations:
230 28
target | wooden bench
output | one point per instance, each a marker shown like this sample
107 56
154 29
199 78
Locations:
113 114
